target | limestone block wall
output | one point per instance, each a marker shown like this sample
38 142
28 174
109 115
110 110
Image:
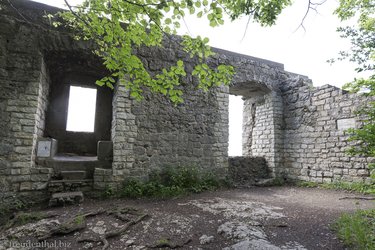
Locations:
247 171
192 134
153 133
23 102
295 127
262 124
314 137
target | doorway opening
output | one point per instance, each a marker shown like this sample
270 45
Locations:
81 109
236 105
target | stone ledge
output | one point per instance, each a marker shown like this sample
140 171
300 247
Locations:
68 198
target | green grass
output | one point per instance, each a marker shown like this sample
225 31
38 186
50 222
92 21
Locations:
359 187
351 186
357 230
24 218
307 184
171 182
10 205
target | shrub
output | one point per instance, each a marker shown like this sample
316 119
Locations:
171 182
357 230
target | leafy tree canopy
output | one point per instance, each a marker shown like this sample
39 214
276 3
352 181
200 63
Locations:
362 38
118 26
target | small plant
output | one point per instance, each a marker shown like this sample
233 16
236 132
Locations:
357 230
162 241
359 187
79 220
307 184
351 186
171 182
9 205
108 192
24 218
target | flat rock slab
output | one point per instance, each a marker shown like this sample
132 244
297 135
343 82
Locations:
73 175
67 198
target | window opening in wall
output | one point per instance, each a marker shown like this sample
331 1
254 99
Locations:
235 125
81 109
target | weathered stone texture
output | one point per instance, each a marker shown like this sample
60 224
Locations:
248 171
262 134
23 101
153 133
297 129
314 145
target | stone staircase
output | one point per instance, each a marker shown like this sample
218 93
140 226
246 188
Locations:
72 175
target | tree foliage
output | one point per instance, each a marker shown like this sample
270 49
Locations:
119 26
362 38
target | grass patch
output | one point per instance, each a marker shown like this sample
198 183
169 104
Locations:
23 219
10 205
171 182
307 184
359 187
351 186
357 230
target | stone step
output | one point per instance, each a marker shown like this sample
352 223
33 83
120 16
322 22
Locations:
73 175
70 185
88 164
65 198
266 182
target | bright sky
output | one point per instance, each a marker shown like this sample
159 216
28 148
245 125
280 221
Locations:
301 51
81 109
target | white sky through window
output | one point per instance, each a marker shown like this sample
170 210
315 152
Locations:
81 110
235 125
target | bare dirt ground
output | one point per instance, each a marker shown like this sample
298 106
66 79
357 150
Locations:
255 218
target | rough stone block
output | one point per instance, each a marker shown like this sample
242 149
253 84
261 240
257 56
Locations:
47 148
40 177
39 185
344 124
73 175
105 150
26 186
68 198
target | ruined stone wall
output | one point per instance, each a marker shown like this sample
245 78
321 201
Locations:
23 102
153 133
296 128
262 135
247 171
315 143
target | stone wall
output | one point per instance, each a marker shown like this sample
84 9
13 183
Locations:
248 171
23 102
315 141
262 129
80 143
296 128
153 133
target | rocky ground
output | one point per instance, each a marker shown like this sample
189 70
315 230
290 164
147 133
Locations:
256 218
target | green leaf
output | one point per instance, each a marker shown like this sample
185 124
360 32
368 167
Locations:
168 21
99 83
180 63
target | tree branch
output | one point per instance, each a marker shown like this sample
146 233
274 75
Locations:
311 6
